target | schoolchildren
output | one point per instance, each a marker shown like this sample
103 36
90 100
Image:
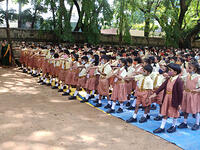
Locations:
143 91
191 95
172 98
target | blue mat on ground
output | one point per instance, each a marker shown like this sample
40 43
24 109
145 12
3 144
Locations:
184 138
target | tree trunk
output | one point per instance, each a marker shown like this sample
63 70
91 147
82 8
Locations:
34 18
53 14
81 12
7 23
8 31
19 17
121 23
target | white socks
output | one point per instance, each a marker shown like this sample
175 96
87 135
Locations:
174 122
93 91
197 118
185 121
67 91
121 105
87 96
113 105
110 102
162 126
75 93
134 103
97 96
134 115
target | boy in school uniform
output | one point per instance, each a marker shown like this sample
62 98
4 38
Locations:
143 91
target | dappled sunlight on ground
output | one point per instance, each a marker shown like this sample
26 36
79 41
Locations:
35 117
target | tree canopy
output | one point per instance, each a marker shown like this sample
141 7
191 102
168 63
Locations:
178 20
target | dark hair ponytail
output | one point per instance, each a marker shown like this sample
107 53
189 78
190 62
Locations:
124 61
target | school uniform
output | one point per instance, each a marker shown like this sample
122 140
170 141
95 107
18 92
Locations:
172 97
158 80
143 90
82 76
91 83
129 84
120 89
103 87
190 103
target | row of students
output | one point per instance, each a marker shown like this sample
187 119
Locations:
151 80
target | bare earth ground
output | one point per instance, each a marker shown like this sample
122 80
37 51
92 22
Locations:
35 117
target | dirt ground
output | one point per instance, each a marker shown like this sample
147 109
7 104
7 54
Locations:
35 117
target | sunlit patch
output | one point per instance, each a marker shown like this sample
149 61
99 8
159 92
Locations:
11 125
88 138
42 136
57 101
13 145
4 90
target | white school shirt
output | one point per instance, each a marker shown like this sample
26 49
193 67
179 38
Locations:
83 72
148 82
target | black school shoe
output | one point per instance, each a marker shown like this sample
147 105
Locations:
120 110
130 120
98 105
91 96
84 100
54 87
110 111
143 119
131 108
158 118
182 125
65 94
159 130
96 101
60 90
72 97
108 106
128 104
172 129
153 107
48 84
195 127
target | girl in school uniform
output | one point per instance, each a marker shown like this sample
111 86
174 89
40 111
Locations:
119 92
143 91
137 64
172 98
103 87
191 95
92 78
129 84
81 77
72 74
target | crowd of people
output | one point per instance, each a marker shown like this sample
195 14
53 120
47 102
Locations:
132 78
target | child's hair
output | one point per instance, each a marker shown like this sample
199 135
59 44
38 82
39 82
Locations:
146 60
96 60
148 68
56 55
76 57
129 60
175 67
138 60
123 60
152 60
66 52
85 58
105 57
196 66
